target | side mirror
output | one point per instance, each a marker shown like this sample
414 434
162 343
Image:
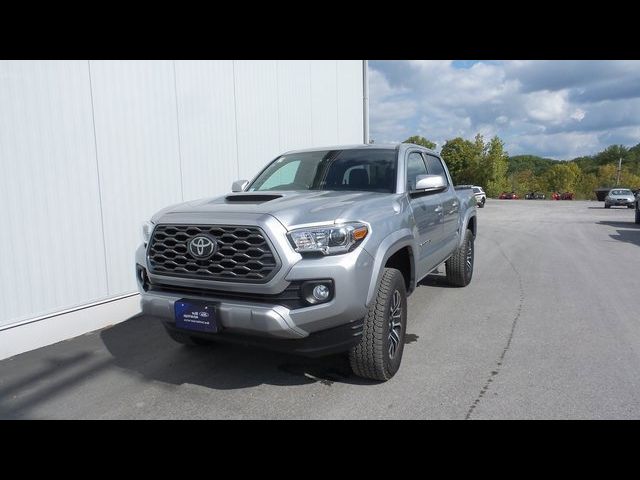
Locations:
430 182
239 185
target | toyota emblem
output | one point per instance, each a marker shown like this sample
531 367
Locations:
202 247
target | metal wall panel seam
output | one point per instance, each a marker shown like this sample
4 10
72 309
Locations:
337 104
311 98
95 143
175 91
278 106
235 117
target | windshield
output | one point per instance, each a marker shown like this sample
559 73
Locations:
476 189
620 192
369 170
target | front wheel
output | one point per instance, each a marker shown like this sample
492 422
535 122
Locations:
482 203
379 353
459 267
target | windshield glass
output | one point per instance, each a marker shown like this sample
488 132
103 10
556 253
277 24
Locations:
620 192
476 189
370 170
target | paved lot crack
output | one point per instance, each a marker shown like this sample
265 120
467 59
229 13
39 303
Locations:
514 324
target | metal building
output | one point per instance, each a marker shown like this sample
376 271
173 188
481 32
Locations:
90 149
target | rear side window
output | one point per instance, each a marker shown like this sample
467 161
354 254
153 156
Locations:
434 166
415 167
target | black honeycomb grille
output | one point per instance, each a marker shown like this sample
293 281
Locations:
243 254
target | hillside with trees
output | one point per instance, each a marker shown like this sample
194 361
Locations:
486 163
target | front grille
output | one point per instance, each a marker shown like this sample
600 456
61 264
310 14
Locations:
291 297
243 253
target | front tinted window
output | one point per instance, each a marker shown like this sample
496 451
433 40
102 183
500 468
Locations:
476 190
371 170
434 166
415 167
621 192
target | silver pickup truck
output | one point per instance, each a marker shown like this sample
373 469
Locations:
316 255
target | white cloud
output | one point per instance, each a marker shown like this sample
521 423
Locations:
578 114
549 108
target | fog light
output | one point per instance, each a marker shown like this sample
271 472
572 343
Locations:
317 291
321 292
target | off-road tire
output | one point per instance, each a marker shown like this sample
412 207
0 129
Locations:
482 203
459 267
372 358
186 339
637 214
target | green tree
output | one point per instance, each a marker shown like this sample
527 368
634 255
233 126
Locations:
562 177
525 181
418 140
458 153
494 167
586 185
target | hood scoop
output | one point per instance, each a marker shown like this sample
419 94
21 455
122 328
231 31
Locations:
251 198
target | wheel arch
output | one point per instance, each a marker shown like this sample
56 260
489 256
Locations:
401 244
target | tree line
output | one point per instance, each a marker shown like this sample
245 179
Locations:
487 164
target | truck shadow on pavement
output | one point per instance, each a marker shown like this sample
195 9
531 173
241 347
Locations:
630 234
435 280
140 344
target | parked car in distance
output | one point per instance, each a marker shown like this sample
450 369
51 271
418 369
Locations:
619 197
508 196
562 196
481 197
315 256
535 196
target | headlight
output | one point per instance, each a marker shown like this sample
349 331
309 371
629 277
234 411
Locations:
147 228
328 240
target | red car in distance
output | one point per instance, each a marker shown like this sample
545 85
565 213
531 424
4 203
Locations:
562 196
508 196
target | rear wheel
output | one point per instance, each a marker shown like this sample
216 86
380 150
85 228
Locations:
379 353
186 339
460 266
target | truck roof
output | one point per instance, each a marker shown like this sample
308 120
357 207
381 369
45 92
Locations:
361 146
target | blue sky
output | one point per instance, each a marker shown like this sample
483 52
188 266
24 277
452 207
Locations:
552 108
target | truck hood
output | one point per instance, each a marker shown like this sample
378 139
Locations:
630 198
291 208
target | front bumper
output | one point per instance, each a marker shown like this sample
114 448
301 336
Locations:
351 274
325 342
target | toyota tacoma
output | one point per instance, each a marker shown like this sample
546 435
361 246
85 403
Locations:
315 256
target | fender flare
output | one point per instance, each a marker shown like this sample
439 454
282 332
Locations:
390 245
471 213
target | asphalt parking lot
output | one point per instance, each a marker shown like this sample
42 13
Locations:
548 329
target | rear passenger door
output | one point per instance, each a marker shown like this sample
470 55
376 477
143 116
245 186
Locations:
450 204
427 213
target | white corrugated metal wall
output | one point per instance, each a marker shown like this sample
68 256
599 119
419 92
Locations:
90 149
